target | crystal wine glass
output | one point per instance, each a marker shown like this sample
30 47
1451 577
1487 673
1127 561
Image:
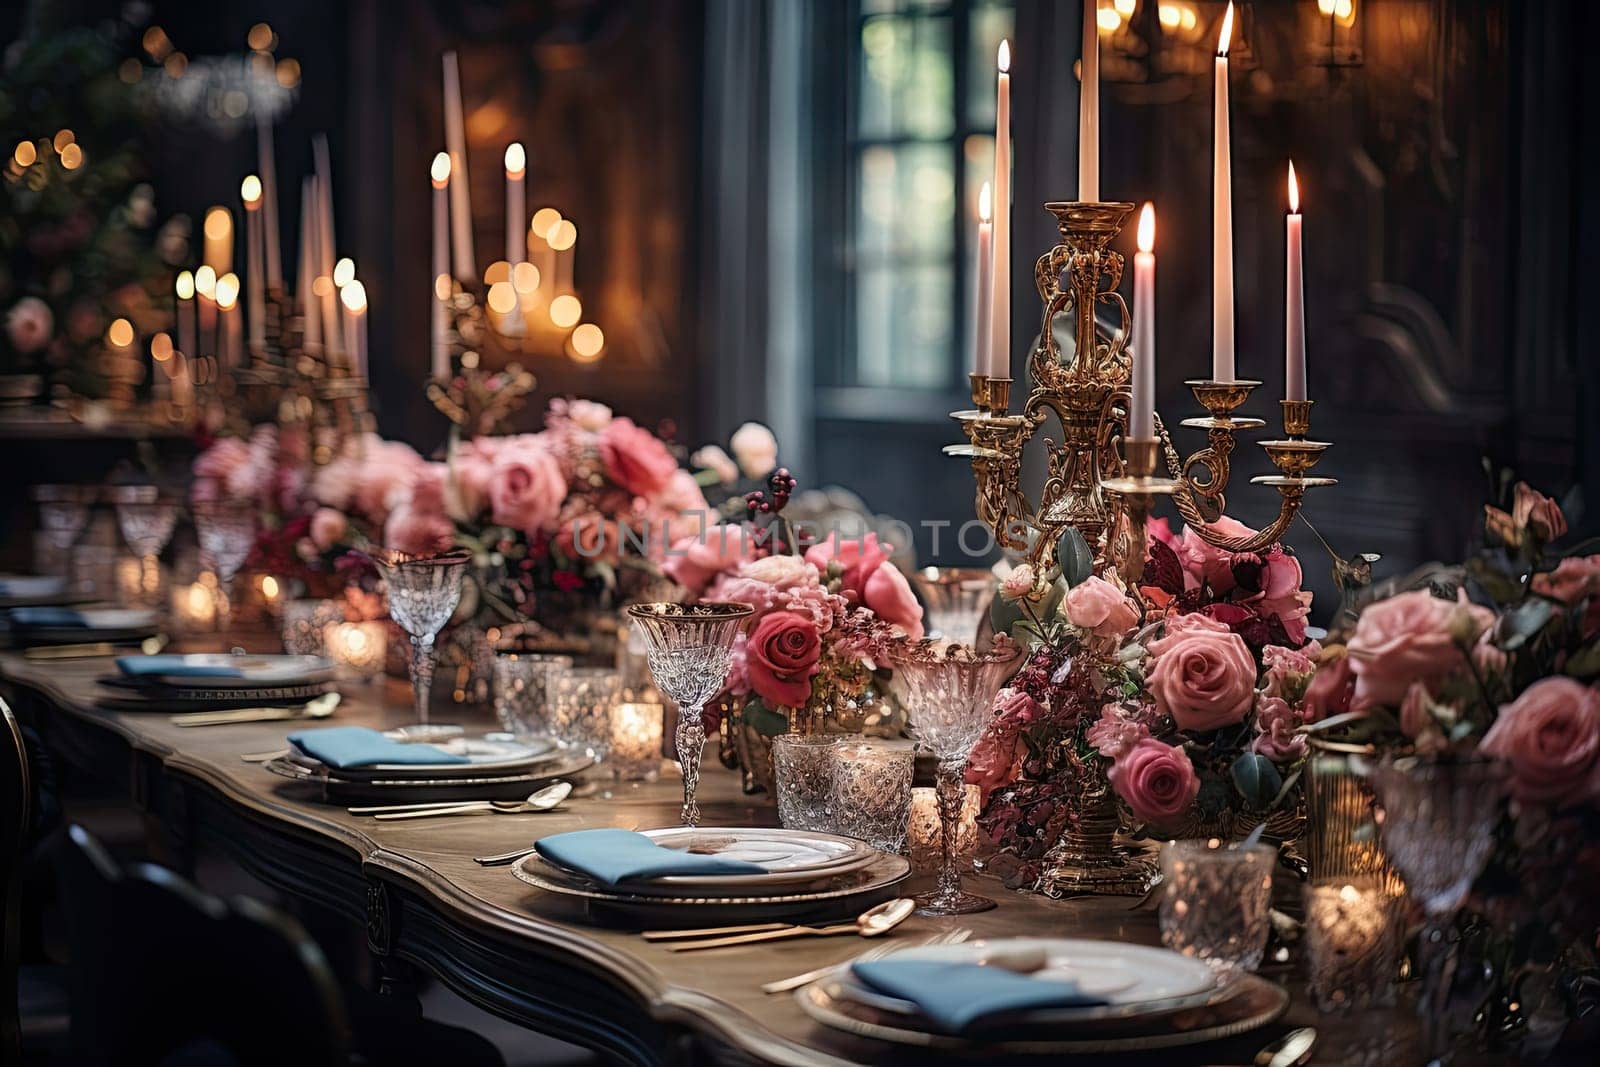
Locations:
1437 828
423 594
147 521
226 531
950 691
690 651
63 513
957 598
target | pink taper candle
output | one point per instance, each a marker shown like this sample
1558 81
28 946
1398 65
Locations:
1294 299
516 204
1089 107
985 307
1222 369
1000 306
440 283
1142 419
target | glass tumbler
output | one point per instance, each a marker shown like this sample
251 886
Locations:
1215 902
1353 936
521 697
803 770
871 791
580 703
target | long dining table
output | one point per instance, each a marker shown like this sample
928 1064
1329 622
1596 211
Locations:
527 955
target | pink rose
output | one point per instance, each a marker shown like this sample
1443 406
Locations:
526 488
780 658
680 510
890 598
471 476
1417 720
1550 735
1018 582
1204 679
29 324
1096 605
1411 637
1538 514
996 759
1574 578
761 582
882 589
755 448
1156 780
1114 735
1331 689
1213 565
418 531
1276 723
694 561
1288 670
635 459
328 528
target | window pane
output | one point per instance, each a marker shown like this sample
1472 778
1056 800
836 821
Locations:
907 200
906 77
989 24
904 326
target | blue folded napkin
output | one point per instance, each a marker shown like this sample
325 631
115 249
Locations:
958 997
175 666
357 746
47 616
611 856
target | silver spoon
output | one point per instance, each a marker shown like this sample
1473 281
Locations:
1290 1050
541 800
874 922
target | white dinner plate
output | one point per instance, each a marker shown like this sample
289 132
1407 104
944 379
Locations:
483 757
789 857
249 671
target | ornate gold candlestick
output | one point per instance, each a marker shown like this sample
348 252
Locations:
1104 485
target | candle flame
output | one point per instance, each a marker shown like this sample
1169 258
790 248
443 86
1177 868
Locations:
205 280
227 290
354 296
440 171
1225 38
1004 59
985 201
1294 191
563 235
1147 228
250 190
185 286
344 272
516 160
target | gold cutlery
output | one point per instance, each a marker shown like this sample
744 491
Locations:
876 952
318 708
711 931
95 649
1290 1050
874 922
265 757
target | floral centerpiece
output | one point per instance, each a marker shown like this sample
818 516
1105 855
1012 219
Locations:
1497 659
1178 702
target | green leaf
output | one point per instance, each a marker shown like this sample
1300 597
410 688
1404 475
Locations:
1073 557
1522 622
1584 663
1256 779
763 720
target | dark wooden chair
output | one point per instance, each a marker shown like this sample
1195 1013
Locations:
16 793
165 973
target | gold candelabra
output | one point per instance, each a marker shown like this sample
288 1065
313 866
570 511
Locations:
1096 479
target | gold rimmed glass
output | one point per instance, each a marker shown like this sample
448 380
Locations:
690 648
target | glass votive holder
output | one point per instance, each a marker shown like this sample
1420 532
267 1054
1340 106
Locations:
924 830
359 649
194 606
580 702
521 698
804 776
871 791
1214 906
1353 936
636 731
304 623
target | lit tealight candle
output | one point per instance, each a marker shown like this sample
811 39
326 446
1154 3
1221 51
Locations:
194 607
361 648
636 741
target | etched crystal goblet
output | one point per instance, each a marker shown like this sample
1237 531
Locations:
690 648
956 598
146 520
950 690
63 514
226 531
423 594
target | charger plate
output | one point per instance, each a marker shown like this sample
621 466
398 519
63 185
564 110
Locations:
791 857
834 895
485 758
1252 1002
424 790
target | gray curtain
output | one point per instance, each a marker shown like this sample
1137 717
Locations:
756 214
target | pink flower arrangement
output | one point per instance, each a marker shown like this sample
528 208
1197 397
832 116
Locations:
1550 735
1414 636
526 488
635 459
1256 594
1156 780
1202 676
868 579
1099 607
781 657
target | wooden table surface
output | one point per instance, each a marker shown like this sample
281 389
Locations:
516 950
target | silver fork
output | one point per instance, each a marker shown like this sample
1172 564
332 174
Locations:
876 952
